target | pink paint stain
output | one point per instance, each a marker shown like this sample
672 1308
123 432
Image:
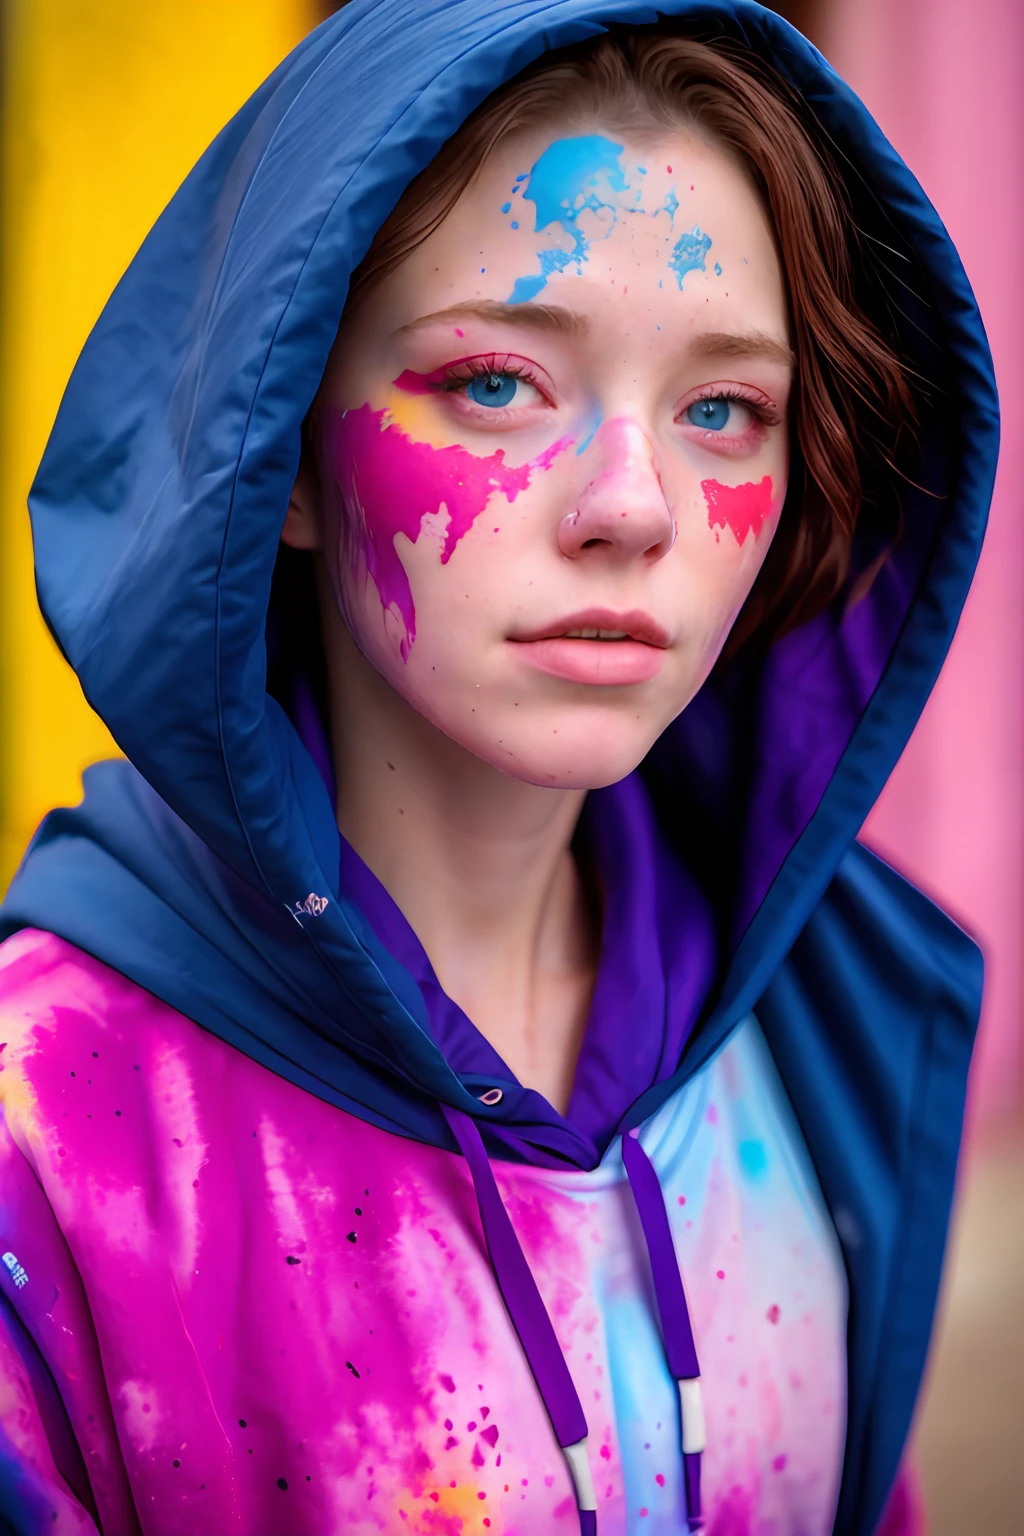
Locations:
733 1515
412 383
743 508
390 484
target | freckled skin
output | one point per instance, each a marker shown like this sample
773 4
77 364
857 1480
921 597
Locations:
635 256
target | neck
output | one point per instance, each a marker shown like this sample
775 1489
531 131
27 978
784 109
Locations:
480 866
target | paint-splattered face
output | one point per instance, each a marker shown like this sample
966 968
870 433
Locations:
552 448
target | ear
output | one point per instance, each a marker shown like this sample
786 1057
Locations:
302 521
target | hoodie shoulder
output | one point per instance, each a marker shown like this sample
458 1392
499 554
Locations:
50 985
871 1019
64 1016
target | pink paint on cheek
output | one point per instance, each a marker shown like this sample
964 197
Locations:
412 383
743 508
390 484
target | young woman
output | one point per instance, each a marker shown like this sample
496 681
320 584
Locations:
551 446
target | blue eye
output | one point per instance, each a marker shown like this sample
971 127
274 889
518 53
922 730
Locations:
494 389
711 414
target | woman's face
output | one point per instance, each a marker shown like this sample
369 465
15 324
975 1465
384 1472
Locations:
552 449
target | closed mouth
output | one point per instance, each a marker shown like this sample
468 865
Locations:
602 625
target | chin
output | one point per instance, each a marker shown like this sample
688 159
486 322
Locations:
570 755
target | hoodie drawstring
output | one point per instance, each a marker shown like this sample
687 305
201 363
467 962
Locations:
529 1317
533 1325
676 1332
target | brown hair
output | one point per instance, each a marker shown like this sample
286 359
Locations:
853 412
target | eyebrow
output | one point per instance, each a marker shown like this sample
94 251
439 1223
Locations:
742 344
567 322
539 317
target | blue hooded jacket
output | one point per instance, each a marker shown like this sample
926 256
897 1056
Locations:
157 513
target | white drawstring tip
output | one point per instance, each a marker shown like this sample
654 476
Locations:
691 1403
579 1467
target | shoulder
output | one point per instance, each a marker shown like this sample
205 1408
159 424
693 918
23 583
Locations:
51 990
71 1026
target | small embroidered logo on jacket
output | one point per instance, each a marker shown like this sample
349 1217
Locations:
18 1275
311 907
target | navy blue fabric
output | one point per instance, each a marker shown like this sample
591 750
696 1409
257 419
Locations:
206 868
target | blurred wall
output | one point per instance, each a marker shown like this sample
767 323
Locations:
946 82
106 106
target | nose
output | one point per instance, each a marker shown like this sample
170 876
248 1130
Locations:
623 510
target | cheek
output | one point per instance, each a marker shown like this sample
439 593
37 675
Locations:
745 510
383 483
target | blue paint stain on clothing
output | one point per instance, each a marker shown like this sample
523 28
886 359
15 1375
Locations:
753 1158
688 253
565 182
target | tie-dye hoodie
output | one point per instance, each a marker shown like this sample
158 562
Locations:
284 1247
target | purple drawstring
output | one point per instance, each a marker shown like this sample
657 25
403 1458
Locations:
677 1334
537 1336
529 1317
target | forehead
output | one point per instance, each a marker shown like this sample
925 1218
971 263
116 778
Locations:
566 209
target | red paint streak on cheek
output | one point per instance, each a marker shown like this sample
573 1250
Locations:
743 508
388 484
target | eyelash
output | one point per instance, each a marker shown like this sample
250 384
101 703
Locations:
761 407
453 378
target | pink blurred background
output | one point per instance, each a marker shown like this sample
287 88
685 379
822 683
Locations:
944 80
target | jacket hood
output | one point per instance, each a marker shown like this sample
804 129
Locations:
157 512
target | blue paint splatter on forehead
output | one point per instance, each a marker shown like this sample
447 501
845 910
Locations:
688 254
581 175
566 181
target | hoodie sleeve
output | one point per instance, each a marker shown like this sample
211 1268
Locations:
34 1496
60 1464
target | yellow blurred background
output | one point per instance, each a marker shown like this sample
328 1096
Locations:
106 106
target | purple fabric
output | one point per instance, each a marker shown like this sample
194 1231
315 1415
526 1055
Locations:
680 1350
656 967
691 1482
519 1289
307 721
815 685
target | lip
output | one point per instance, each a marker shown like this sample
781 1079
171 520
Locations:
600 663
636 624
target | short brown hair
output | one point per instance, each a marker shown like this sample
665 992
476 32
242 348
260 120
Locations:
853 411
